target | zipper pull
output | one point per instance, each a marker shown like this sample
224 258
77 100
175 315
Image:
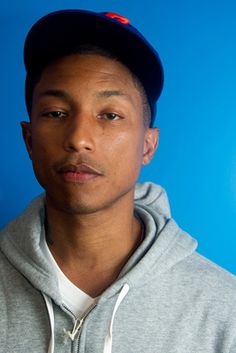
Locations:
77 325
72 334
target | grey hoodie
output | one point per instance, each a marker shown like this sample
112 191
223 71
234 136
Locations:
167 299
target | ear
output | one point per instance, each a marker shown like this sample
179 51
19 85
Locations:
27 136
151 140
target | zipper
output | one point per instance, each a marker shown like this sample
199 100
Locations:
78 323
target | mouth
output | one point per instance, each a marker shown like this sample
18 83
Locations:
78 173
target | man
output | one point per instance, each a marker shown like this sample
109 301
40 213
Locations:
97 264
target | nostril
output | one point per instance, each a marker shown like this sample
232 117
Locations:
77 148
75 142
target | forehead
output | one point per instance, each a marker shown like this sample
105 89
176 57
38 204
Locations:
79 79
86 79
89 67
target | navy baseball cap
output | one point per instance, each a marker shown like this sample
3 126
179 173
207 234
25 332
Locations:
59 32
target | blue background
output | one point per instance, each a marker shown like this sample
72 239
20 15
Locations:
196 159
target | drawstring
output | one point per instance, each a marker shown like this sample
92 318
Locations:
108 339
51 319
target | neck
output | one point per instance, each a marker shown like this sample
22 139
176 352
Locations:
97 244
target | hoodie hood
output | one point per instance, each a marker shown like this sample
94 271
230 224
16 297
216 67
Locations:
165 244
21 242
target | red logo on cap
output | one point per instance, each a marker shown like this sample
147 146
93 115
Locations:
117 17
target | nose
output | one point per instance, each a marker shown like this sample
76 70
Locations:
80 134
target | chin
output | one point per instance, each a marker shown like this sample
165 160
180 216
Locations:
78 209
81 202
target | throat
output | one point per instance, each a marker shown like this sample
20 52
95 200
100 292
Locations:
94 265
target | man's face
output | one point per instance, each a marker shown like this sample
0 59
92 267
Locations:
87 139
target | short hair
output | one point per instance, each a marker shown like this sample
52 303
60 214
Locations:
33 78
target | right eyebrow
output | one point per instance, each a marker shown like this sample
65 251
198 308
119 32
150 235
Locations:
55 93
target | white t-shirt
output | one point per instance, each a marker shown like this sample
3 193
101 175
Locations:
73 298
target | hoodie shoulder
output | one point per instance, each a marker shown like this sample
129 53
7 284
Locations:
211 274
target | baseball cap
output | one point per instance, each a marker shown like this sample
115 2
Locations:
57 33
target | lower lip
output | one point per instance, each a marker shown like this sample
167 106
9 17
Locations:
78 177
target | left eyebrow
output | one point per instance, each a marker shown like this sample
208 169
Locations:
111 93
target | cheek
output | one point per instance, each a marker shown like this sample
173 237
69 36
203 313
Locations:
43 147
127 151
39 150
43 154
44 139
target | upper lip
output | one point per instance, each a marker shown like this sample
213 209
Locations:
80 168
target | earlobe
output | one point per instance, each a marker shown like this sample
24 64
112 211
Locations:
150 144
26 133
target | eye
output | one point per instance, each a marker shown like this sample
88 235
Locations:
55 114
110 116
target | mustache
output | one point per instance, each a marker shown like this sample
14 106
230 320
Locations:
79 161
